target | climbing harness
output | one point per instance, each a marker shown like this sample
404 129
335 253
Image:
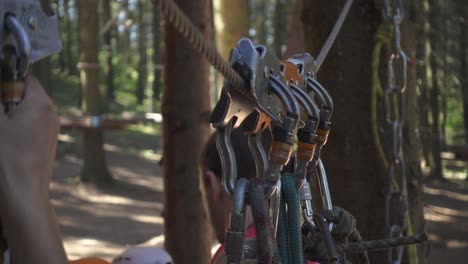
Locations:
28 34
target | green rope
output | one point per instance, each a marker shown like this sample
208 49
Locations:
382 38
291 248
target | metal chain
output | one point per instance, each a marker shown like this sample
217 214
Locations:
395 113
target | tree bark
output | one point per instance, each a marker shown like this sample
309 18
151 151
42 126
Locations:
262 31
231 23
186 110
424 98
157 53
358 180
142 53
412 143
436 170
71 63
107 12
295 43
94 163
464 64
108 37
281 23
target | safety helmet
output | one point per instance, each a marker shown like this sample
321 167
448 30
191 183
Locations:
143 255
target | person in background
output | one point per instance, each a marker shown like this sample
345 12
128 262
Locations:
219 203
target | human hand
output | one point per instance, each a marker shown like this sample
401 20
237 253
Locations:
28 141
27 154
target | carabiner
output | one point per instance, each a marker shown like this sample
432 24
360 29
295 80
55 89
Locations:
235 235
16 52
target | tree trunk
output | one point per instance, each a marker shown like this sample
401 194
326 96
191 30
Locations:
62 60
281 23
262 31
186 110
463 9
295 43
142 53
464 66
71 63
424 71
157 53
357 178
436 170
231 23
124 38
94 164
107 12
412 142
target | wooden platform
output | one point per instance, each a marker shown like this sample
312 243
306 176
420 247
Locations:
460 152
107 123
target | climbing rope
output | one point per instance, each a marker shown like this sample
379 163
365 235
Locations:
289 229
267 249
185 27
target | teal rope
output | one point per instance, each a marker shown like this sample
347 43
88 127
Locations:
282 235
291 198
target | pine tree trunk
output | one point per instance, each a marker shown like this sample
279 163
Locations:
295 43
232 24
71 65
142 53
412 142
281 23
262 32
436 170
464 65
157 53
463 9
233 17
186 110
125 42
94 164
107 12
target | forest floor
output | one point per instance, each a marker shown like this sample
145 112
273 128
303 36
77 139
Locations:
103 222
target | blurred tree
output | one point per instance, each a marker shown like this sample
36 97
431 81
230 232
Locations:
295 42
463 18
142 53
94 163
281 23
435 44
108 26
186 110
231 23
424 73
157 52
